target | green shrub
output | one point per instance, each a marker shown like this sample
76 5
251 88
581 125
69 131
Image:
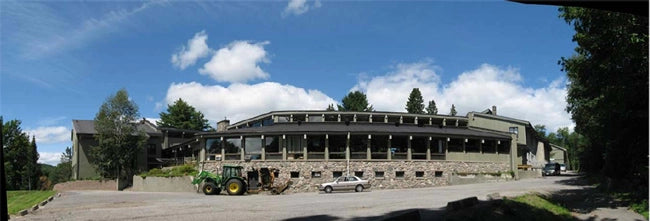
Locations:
640 208
177 171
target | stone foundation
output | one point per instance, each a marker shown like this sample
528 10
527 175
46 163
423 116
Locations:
415 173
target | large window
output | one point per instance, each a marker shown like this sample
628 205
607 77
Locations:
503 147
295 144
213 146
490 146
419 148
455 145
253 148
272 148
337 146
472 145
399 147
316 146
232 148
358 146
315 118
379 146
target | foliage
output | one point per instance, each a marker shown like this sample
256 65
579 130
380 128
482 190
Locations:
181 115
608 91
415 103
183 170
641 208
20 200
355 101
453 111
330 107
540 129
118 140
537 201
66 156
20 157
431 108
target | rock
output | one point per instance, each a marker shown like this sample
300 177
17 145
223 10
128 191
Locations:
34 208
23 212
51 198
43 203
494 196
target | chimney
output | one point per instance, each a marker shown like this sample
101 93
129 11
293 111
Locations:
494 110
222 125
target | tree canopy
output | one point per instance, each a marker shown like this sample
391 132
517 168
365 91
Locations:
183 116
20 157
431 108
608 90
118 139
355 101
330 108
415 103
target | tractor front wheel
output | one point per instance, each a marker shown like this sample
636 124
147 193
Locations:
234 187
210 189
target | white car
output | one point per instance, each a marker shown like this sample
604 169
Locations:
345 183
562 167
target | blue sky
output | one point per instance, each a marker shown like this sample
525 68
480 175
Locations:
60 60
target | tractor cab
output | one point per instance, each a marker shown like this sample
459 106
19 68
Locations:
231 171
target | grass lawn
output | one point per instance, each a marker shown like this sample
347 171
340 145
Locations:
22 199
526 207
538 202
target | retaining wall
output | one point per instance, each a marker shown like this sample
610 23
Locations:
433 173
527 174
163 184
86 185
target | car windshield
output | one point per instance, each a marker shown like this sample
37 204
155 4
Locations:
550 166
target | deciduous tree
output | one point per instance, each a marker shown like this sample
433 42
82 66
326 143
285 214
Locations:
181 115
118 139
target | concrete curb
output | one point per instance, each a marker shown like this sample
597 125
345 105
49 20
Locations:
38 205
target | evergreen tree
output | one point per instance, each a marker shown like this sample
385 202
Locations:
33 169
355 101
432 109
17 148
415 103
118 140
183 116
453 110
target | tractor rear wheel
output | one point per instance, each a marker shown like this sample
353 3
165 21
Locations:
234 187
210 189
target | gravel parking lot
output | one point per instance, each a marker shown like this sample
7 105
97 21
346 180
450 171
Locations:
113 205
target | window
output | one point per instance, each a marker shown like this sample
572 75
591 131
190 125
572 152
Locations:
295 144
455 145
276 173
379 174
315 174
352 179
472 145
419 173
267 122
503 146
151 149
233 145
316 118
336 174
399 174
514 130
438 173
283 119
358 174
213 146
295 174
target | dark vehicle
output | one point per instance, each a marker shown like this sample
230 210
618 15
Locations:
551 169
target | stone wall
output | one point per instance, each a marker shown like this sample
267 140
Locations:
415 173
527 174
163 184
86 185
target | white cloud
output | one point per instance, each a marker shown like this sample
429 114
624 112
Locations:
473 90
196 48
49 158
237 62
297 7
240 101
48 135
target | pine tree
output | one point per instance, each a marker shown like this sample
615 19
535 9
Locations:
330 108
415 103
453 110
432 109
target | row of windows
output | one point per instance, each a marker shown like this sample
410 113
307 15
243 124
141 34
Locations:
378 174
349 118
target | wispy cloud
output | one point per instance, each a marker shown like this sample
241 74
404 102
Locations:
50 134
298 7
41 30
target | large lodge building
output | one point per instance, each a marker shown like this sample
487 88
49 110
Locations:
392 149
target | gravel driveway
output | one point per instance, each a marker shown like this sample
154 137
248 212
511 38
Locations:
113 205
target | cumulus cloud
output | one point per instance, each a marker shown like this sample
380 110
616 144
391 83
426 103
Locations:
49 158
298 7
48 135
473 90
196 48
240 101
237 62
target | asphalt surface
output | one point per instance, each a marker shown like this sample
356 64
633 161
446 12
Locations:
368 205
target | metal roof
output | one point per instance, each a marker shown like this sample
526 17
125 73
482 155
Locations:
88 127
357 128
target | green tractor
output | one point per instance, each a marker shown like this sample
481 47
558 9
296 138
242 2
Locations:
231 179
